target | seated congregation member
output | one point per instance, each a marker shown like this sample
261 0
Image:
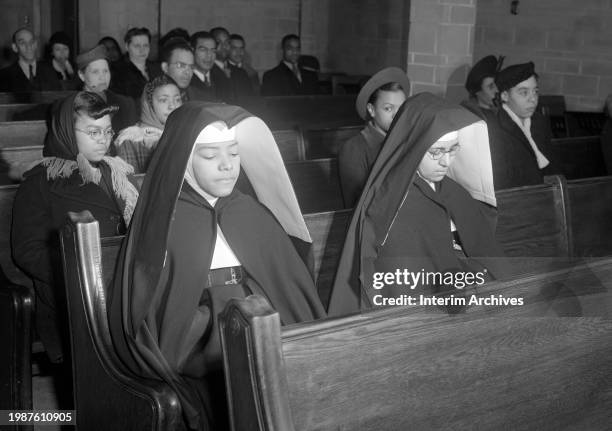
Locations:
221 36
136 144
177 32
177 61
481 87
237 64
132 72
287 79
96 76
377 103
412 216
75 174
27 74
113 51
519 135
195 242
60 47
209 82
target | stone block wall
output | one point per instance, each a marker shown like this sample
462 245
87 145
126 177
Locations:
440 46
570 42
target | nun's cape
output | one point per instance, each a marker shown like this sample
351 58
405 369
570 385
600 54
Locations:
419 123
158 327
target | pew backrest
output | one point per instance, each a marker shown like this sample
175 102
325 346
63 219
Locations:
130 402
398 369
324 143
316 184
34 97
23 111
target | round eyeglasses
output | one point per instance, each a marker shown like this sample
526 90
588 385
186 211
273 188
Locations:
438 153
97 134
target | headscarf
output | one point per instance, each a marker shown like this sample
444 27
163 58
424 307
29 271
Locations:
61 158
148 117
419 123
152 281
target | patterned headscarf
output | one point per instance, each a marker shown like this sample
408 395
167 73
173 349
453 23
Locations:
148 118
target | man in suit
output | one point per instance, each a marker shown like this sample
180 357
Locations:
209 81
177 61
244 79
519 136
26 74
287 79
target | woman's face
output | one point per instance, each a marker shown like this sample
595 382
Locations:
96 76
60 52
437 160
165 100
93 136
138 48
385 107
216 167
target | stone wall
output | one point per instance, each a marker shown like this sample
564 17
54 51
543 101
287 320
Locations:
570 42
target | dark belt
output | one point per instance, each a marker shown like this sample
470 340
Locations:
227 275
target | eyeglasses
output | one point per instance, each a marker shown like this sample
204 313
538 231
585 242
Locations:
96 134
182 66
438 153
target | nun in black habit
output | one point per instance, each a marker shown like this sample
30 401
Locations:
405 221
166 297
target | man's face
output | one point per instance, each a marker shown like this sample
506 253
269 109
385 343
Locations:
487 93
25 46
434 170
522 99
236 52
138 48
383 110
291 51
180 67
205 54
96 76
223 45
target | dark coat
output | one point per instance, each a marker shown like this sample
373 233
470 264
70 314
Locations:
12 79
39 211
71 83
128 80
219 90
128 113
514 162
473 106
355 160
241 83
281 81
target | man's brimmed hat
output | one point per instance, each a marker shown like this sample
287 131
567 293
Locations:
385 76
84 58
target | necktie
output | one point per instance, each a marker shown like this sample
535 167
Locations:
206 80
31 70
296 72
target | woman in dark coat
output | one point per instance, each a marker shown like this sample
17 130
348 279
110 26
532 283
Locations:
74 175
195 242
412 214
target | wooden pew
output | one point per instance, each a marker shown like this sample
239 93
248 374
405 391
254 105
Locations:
34 97
590 202
413 367
22 133
324 143
23 111
316 184
580 157
16 308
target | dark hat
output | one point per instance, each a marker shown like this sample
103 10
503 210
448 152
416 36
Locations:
484 68
385 76
97 53
513 75
60 37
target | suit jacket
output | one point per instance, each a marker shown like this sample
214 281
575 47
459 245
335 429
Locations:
514 162
128 80
241 83
220 89
281 81
12 79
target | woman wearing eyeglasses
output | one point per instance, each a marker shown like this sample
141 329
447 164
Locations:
75 174
423 209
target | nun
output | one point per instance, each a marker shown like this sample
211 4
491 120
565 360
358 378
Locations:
428 207
195 242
